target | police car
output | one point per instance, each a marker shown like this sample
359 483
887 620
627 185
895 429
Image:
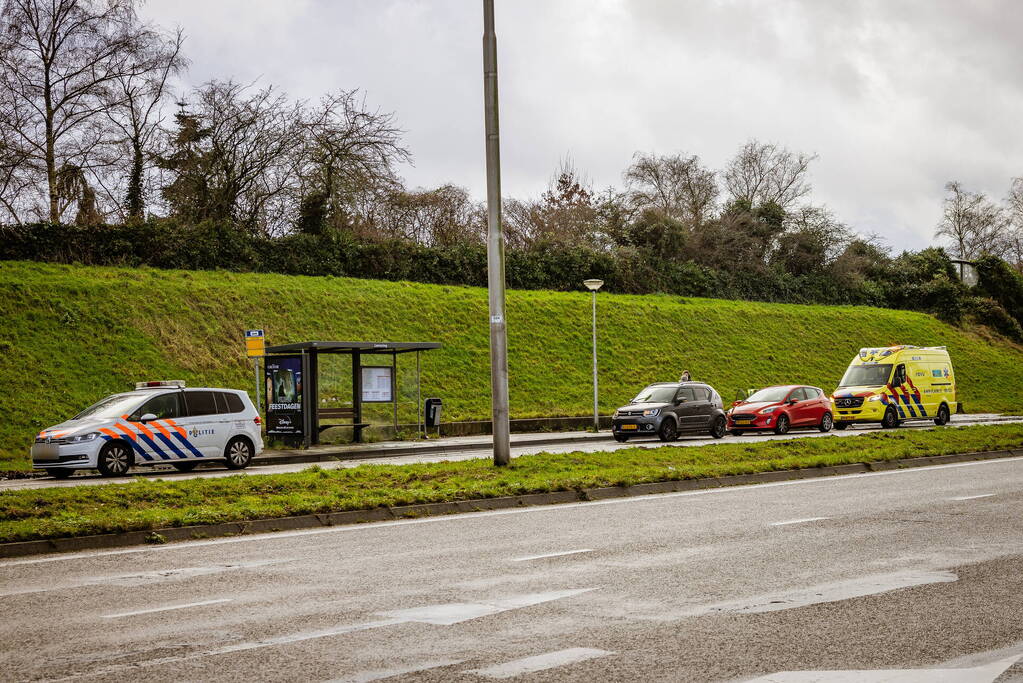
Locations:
158 423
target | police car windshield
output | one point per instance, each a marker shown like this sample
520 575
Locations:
110 407
769 395
656 395
866 375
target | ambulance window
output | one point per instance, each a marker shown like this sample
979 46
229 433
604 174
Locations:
163 406
201 403
900 376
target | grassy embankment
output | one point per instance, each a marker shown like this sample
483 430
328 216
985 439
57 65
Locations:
71 334
152 504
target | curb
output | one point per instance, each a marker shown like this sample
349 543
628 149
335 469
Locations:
187 533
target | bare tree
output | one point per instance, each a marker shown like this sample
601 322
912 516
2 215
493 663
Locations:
59 61
233 157
972 223
676 185
349 157
565 214
443 217
1013 243
136 116
763 172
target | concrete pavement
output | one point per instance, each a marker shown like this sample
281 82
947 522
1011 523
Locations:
901 575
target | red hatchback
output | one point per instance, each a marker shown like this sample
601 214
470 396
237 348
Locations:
780 409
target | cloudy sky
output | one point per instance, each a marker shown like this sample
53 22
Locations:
896 96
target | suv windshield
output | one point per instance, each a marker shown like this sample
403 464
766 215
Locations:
656 394
769 395
866 375
110 407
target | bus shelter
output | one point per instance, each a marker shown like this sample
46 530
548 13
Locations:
292 373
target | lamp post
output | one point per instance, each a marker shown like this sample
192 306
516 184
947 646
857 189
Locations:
593 286
495 246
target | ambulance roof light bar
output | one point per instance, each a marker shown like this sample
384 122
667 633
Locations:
174 383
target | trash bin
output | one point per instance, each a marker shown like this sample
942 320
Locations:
432 412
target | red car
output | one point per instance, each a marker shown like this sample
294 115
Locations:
780 409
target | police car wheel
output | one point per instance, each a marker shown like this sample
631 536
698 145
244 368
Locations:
238 453
890 419
184 466
827 422
60 472
943 416
115 459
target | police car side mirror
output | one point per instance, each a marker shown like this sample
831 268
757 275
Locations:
148 417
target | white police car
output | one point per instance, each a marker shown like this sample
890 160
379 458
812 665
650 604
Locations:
158 423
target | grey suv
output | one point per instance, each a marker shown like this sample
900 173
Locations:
668 409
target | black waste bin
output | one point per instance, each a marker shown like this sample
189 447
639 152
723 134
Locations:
432 412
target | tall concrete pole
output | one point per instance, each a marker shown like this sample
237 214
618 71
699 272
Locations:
495 247
596 410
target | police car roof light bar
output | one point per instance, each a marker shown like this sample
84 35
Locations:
175 383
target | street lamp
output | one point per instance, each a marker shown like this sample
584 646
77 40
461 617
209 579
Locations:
593 286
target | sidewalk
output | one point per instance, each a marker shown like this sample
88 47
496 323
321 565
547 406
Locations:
383 449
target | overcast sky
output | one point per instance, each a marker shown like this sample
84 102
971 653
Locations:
896 96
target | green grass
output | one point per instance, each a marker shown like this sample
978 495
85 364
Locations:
71 334
152 503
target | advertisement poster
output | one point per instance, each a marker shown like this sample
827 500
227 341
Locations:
377 384
284 395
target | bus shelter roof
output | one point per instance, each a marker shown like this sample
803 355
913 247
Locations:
361 347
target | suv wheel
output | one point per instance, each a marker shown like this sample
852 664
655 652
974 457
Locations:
827 422
890 419
782 425
720 427
238 453
943 416
115 459
668 430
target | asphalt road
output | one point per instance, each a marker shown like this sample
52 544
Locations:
590 446
907 575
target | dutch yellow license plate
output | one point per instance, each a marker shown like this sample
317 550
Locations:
624 427
743 422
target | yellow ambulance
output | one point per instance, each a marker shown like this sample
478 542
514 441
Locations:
893 384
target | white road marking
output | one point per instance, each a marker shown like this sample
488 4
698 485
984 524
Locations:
456 612
982 495
143 578
466 516
165 609
561 554
799 521
980 674
829 592
379 674
550 660
445 615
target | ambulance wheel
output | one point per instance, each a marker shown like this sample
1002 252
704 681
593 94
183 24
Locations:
238 453
890 419
184 466
720 427
737 432
827 422
782 425
60 472
943 416
621 438
840 426
668 430
115 459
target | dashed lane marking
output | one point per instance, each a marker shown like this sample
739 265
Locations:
549 660
561 554
165 609
982 495
799 521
